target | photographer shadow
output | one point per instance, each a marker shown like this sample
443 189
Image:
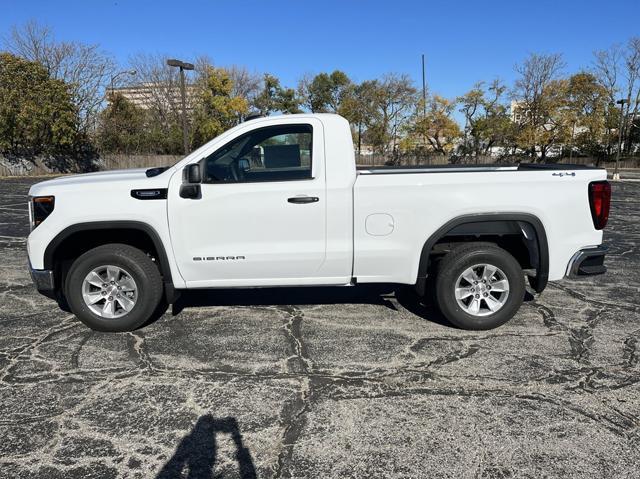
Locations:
197 451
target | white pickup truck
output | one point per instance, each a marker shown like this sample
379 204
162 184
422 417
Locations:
278 201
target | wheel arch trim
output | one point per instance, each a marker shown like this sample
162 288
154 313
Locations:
524 220
165 268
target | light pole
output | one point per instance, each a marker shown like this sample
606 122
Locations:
573 134
183 66
424 105
424 91
113 79
616 173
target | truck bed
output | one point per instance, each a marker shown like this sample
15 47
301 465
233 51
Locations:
385 170
411 203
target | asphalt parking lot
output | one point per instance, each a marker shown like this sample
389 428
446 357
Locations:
353 382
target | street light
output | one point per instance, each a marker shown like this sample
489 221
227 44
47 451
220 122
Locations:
616 174
183 66
113 79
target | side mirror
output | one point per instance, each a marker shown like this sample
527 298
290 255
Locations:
193 174
192 179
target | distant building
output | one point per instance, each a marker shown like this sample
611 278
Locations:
518 111
149 95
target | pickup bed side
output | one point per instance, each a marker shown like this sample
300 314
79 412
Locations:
421 204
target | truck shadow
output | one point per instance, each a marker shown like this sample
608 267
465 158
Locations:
196 452
374 294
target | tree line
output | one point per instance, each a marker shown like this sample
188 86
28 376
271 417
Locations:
62 101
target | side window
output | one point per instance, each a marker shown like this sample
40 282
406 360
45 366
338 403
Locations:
276 153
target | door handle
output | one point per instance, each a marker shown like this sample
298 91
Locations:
303 199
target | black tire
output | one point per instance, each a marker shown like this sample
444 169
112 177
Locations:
463 257
135 262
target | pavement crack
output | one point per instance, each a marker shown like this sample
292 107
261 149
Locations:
454 356
294 412
299 361
580 340
27 350
75 356
548 317
630 349
621 427
138 350
595 302
294 419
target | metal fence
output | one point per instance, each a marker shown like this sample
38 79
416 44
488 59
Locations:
382 160
118 162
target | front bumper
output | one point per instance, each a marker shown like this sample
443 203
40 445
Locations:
586 262
44 281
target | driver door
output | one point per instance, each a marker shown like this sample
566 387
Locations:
261 216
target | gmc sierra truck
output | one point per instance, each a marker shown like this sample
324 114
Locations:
279 201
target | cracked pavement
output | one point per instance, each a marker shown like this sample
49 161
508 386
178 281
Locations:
349 382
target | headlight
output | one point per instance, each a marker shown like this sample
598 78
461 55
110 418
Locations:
39 208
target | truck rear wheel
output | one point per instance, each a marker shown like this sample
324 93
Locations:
114 287
479 286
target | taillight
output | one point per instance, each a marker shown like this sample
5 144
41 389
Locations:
600 202
41 207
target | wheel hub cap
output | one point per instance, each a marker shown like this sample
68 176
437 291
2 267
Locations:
482 289
109 291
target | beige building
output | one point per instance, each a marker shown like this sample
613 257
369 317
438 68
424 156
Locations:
149 95
518 111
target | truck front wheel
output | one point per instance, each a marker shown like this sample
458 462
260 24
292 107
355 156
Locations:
113 287
479 286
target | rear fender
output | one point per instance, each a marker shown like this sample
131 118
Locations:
528 226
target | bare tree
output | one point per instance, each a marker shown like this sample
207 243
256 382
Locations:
396 97
158 87
245 83
618 70
305 92
632 75
606 67
535 100
84 67
536 73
